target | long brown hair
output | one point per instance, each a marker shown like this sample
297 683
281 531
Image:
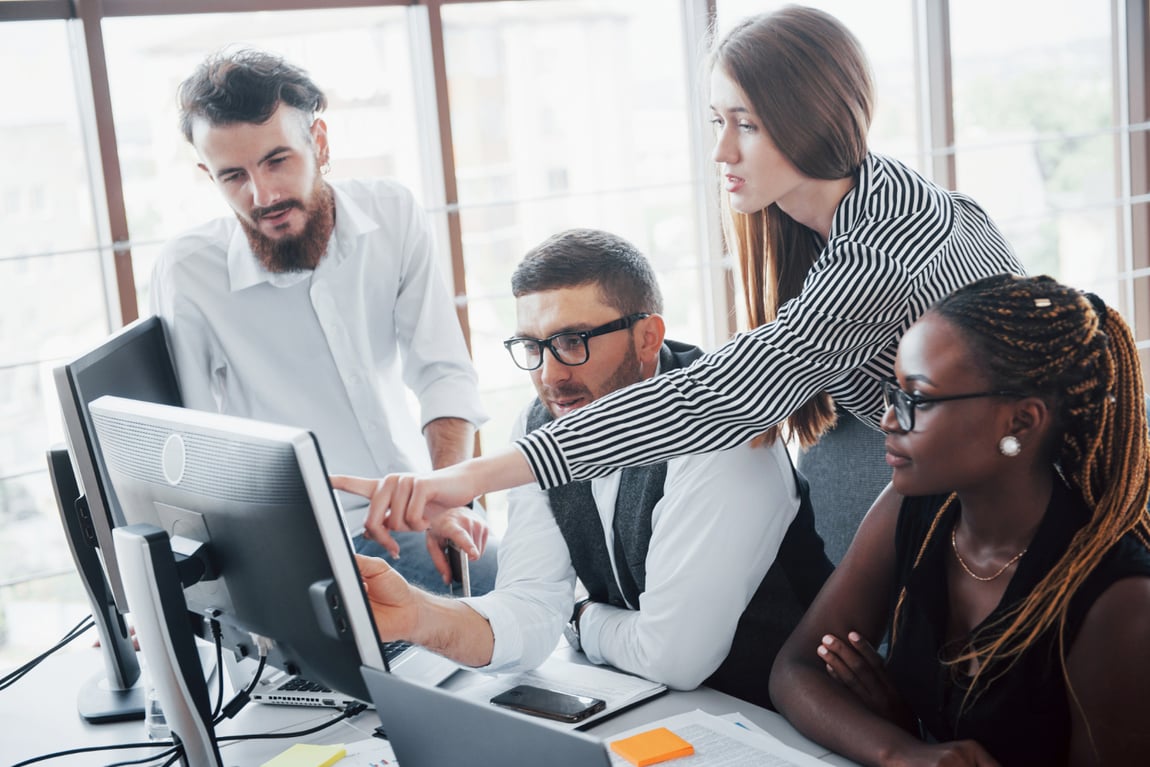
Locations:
1036 336
808 82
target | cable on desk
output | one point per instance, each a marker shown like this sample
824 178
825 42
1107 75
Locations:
90 749
351 710
172 750
14 676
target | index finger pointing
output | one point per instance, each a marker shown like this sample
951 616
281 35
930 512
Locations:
358 485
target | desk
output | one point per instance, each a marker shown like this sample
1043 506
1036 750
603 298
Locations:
38 716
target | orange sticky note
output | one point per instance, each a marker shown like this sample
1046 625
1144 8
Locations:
652 747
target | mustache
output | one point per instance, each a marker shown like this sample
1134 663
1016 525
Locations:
565 392
271 210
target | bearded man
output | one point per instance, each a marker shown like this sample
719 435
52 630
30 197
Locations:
317 303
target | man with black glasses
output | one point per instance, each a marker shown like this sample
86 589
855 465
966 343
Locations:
675 560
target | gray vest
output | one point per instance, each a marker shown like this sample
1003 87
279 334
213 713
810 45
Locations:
790 584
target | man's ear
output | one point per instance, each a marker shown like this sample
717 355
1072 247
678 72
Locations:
649 334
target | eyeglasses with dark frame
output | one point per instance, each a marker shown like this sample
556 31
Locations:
569 347
906 404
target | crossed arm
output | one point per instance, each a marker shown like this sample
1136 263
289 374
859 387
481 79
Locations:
831 685
839 697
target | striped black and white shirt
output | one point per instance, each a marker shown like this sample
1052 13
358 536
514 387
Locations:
897 244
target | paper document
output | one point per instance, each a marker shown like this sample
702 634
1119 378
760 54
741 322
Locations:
618 689
720 742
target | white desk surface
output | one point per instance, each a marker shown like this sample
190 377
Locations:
38 716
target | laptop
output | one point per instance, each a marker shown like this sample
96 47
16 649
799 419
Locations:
430 727
280 688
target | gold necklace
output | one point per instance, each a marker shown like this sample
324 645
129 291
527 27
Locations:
971 573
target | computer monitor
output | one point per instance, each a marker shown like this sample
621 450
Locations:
255 499
135 362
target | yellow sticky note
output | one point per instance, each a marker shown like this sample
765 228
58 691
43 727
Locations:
652 747
305 755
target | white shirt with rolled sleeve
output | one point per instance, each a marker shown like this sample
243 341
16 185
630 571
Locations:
714 534
332 349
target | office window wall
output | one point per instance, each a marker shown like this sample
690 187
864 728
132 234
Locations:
510 121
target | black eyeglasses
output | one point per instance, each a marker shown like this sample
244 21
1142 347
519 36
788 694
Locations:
569 347
905 404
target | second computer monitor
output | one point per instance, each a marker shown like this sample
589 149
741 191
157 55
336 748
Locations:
256 497
135 363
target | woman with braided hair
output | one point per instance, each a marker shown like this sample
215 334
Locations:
1007 563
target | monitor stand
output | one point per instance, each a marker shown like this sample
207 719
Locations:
156 595
116 695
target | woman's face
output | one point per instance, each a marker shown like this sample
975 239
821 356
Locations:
754 172
954 444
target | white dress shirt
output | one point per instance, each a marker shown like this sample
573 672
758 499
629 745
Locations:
714 534
332 349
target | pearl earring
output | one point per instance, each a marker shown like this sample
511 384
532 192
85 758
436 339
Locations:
1009 446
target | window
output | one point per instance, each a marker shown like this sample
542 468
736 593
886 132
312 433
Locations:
52 304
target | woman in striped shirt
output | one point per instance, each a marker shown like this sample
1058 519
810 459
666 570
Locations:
840 251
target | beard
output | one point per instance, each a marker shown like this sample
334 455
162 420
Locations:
294 253
628 371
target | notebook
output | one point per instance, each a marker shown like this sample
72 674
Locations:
430 727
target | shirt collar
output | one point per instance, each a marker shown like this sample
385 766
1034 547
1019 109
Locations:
852 207
351 222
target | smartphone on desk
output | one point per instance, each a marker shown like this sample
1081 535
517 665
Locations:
552 704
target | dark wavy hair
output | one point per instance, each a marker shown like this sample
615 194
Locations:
590 256
244 85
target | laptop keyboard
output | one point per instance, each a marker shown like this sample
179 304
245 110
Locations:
391 650
299 684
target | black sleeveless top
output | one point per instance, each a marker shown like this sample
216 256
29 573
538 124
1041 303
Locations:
1022 718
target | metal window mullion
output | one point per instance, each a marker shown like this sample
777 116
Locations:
447 161
698 27
90 13
936 90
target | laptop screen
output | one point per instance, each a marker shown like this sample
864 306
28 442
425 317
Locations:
430 727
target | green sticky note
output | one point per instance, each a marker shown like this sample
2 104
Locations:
305 755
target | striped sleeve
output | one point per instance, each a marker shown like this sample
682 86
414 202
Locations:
897 245
754 381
